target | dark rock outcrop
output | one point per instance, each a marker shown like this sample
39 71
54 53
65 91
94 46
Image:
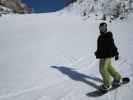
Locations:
16 6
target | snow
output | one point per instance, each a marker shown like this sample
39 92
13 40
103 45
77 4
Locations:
101 9
51 57
5 10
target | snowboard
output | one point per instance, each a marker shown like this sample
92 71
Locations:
100 92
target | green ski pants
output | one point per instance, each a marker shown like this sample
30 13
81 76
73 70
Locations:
108 71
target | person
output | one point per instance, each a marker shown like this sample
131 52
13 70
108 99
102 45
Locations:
106 50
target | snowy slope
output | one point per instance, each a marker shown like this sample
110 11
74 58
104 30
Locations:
51 57
101 9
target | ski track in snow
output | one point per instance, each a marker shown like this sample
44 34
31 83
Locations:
41 87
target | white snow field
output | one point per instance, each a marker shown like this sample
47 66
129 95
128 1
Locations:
51 57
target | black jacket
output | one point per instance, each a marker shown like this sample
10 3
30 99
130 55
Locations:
105 46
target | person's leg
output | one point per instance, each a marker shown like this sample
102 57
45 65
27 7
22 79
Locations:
113 71
104 72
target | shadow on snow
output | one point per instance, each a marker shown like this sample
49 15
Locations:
77 76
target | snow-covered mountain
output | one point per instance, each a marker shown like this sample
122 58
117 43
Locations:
15 6
51 57
102 8
5 10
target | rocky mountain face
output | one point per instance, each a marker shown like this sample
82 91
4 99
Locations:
5 10
16 6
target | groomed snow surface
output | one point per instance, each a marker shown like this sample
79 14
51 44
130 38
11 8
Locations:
51 57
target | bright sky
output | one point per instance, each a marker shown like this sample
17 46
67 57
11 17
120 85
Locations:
46 5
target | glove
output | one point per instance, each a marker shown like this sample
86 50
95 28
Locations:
117 57
95 53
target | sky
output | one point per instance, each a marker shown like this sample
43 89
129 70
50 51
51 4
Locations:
41 6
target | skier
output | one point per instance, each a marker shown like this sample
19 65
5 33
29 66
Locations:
106 50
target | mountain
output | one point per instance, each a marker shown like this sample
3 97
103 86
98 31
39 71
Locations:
16 6
102 9
5 10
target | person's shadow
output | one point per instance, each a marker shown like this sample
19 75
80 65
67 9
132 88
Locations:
75 75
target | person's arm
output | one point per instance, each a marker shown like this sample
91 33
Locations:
98 46
115 49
